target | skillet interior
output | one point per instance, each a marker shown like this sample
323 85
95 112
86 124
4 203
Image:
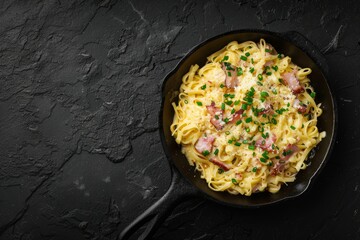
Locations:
325 123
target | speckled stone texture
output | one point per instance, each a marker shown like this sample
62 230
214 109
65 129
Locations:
80 89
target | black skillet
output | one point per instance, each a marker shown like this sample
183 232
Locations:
185 181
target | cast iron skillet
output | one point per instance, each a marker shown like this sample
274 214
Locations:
185 181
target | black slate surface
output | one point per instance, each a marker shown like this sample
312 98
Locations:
80 89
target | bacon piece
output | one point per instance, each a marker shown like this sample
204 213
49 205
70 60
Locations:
238 176
272 50
267 109
231 80
289 151
269 63
292 82
266 144
219 163
212 110
243 63
279 164
237 116
302 108
204 144
256 189
218 123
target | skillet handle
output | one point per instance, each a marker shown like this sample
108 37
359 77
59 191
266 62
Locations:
309 48
178 191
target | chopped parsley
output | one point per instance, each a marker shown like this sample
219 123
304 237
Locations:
248 120
229 102
199 103
239 71
265 135
225 58
251 147
203 87
244 58
264 94
216 151
205 153
261 129
249 100
281 110
287 152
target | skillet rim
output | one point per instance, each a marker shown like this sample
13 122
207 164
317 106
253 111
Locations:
285 38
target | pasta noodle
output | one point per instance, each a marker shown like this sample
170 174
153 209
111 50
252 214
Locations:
247 119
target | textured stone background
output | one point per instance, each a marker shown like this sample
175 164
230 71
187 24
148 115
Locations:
80 83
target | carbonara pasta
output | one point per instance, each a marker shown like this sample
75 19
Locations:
247 119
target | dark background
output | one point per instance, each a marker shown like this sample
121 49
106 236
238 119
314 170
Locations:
80 152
